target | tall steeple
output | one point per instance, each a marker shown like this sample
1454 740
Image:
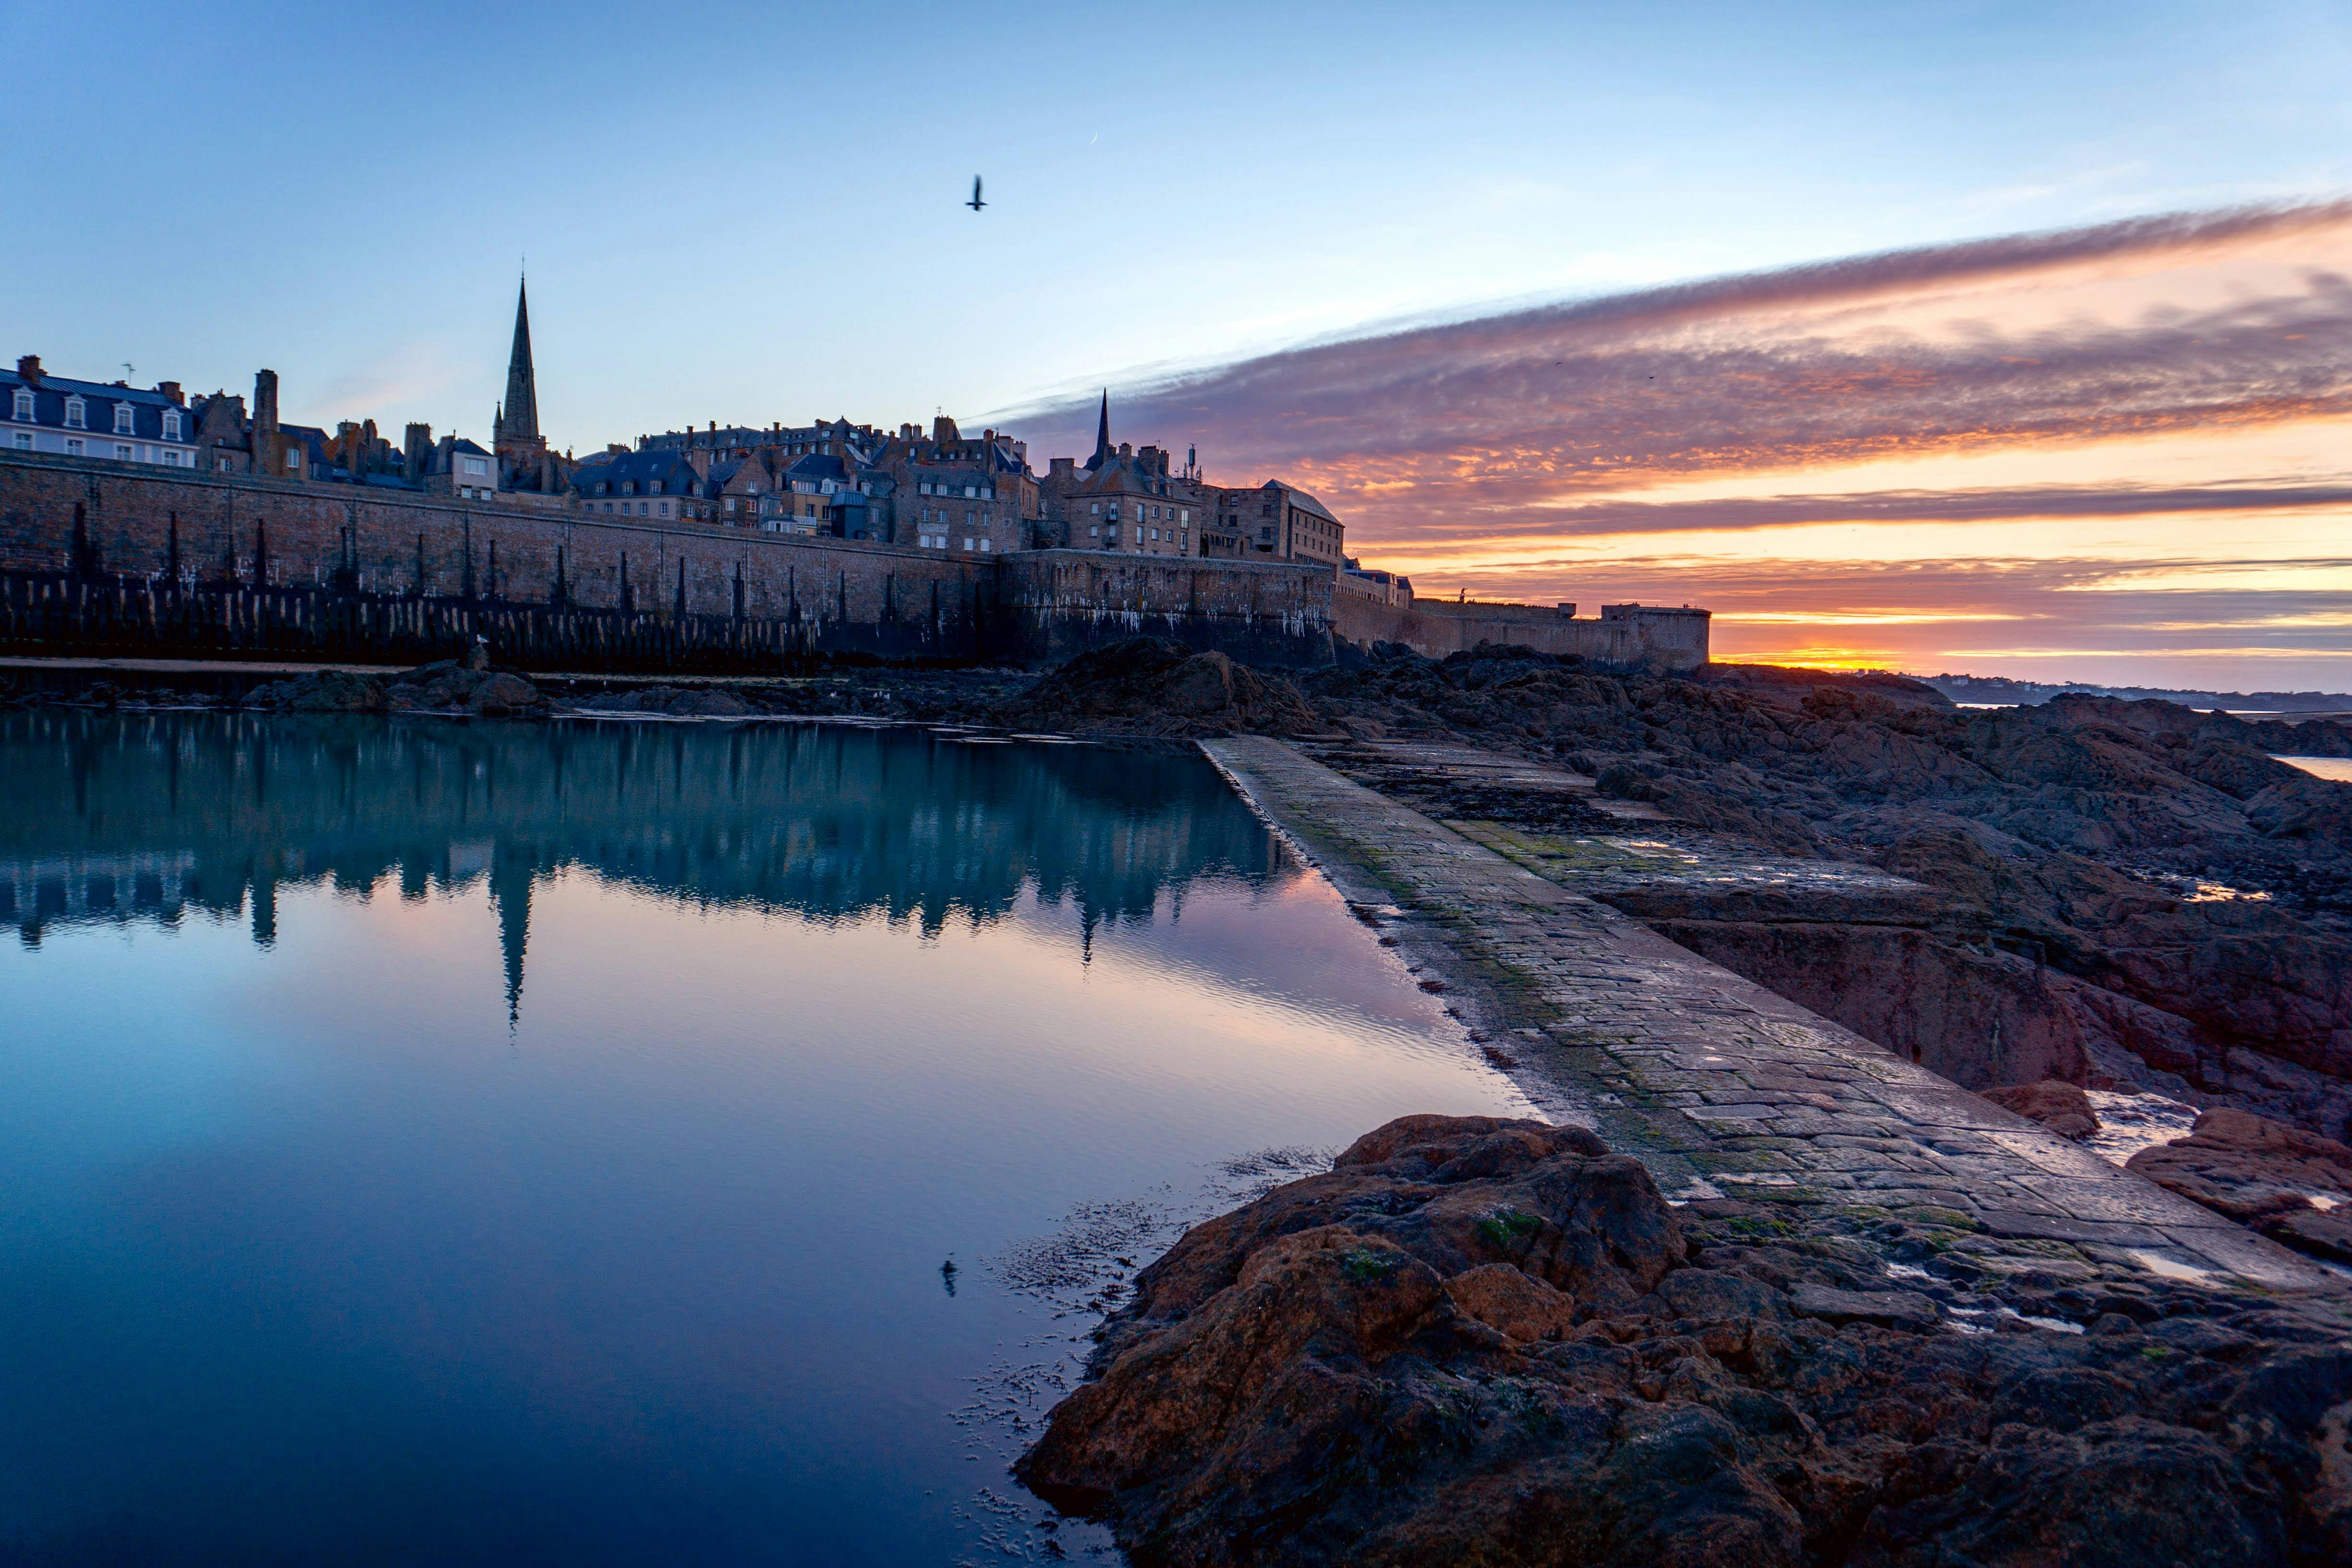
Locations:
519 415
1102 433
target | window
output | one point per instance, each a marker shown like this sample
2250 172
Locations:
171 424
24 406
477 466
293 457
25 439
73 448
967 544
76 414
644 509
665 508
122 451
122 419
1095 508
731 503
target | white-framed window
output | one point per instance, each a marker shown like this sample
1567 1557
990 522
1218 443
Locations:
1095 508
477 466
665 508
122 451
1094 531
967 544
25 440
73 446
731 503
23 405
293 457
122 416
171 425
77 414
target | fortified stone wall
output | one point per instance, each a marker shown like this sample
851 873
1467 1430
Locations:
127 559
1059 603
101 520
1632 635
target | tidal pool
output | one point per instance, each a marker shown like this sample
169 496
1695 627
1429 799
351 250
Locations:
429 1142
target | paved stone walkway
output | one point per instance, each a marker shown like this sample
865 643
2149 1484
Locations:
1721 1087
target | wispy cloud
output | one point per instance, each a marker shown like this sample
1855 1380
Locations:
1492 453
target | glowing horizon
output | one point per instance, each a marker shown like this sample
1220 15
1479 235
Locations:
2122 446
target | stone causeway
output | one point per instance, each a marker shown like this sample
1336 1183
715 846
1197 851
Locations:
1721 1087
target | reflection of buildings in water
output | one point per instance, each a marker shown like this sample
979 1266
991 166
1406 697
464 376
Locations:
148 817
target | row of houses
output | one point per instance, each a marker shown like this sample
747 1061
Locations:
936 490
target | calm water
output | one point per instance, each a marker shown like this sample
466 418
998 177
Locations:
432 1143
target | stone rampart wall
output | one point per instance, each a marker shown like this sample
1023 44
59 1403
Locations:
128 558
1059 603
102 521
1630 636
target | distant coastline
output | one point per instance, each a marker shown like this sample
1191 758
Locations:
2002 690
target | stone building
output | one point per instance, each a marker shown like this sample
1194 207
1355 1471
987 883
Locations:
88 419
1275 521
954 493
229 442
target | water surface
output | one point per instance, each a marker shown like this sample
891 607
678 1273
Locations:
430 1142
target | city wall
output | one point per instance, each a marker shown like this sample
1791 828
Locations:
126 559
1635 636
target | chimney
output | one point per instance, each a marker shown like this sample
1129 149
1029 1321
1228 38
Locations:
943 430
265 403
29 367
417 451
171 390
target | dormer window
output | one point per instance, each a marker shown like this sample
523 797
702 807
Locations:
628 487
77 414
171 424
24 406
122 419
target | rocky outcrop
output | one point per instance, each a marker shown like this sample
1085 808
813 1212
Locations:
1487 1341
2131 893
448 687
2293 1185
1152 685
2059 1106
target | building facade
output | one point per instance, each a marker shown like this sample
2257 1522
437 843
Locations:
117 422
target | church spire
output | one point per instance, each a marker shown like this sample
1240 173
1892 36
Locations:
519 413
1102 433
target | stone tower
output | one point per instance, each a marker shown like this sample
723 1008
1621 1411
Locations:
517 430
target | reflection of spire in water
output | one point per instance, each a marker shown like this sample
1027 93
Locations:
265 910
1085 932
510 878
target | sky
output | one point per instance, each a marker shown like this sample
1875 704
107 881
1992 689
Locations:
2001 338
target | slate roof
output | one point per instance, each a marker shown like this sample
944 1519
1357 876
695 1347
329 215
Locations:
147 406
643 469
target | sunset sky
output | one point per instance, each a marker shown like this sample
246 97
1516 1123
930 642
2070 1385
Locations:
2001 338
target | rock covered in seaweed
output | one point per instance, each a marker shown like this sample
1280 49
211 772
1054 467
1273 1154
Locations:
1477 1341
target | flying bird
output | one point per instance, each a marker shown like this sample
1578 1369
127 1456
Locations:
975 203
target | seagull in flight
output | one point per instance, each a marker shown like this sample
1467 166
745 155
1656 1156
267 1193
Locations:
975 203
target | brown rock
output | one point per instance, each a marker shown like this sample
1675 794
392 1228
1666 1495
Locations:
2062 1107
2262 1173
1504 1297
1319 1378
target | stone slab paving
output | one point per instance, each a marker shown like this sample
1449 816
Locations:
1723 1088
